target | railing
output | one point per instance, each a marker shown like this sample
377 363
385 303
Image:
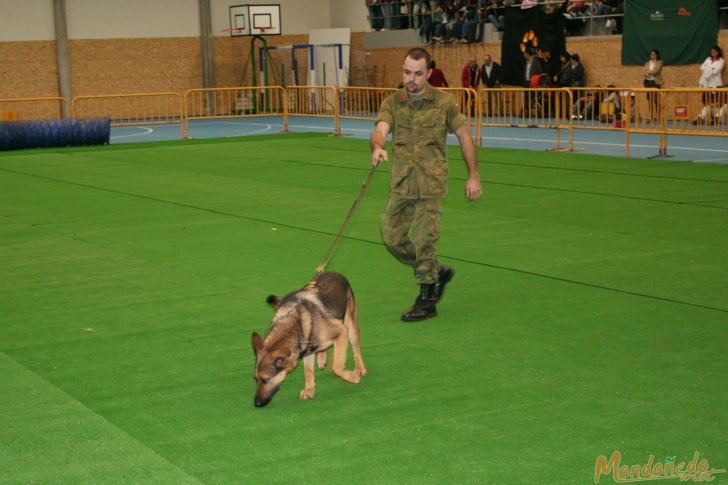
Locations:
526 108
578 20
131 109
234 102
662 112
467 100
362 103
21 109
319 101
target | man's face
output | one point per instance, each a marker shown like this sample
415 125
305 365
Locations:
414 75
487 60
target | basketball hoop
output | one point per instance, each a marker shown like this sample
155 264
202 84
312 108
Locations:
264 30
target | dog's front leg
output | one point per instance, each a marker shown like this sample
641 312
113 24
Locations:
309 390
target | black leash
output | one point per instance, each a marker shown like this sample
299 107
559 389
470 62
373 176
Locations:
321 267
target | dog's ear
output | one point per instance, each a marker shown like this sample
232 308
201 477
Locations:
273 300
257 342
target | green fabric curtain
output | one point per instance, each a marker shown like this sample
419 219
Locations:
682 30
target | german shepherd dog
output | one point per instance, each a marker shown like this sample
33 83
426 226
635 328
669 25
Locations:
307 322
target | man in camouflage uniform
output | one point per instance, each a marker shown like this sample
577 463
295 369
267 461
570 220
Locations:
419 118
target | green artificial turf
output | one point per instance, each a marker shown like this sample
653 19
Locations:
589 314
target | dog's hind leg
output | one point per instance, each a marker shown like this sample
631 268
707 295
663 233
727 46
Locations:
339 366
351 321
309 391
321 359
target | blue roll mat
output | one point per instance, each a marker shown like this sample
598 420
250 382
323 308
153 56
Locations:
15 135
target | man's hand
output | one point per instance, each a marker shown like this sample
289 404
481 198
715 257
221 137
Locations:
379 155
378 142
473 190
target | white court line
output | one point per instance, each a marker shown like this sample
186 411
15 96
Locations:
266 128
147 131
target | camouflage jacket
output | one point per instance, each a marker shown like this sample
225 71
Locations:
419 141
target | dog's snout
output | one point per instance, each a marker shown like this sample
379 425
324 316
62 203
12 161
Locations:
259 403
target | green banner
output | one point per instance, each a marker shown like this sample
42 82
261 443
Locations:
682 30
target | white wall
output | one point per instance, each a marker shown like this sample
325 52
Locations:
23 20
26 20
350 14
114 19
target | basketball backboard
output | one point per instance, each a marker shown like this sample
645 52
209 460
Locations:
255 20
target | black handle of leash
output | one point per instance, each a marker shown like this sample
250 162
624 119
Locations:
321 267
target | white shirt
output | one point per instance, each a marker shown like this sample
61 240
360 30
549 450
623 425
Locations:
710 73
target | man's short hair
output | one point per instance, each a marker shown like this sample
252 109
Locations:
418 53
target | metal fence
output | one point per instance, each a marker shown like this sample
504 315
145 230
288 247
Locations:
662 112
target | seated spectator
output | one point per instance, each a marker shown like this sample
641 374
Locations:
419 14
575 15
439 21
376 17
613 99
456 28
587 105
426 26
495 14
470 25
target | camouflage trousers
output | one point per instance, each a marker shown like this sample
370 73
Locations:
421 219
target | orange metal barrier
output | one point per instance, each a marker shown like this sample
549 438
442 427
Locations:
526 108
362 103
467 100
319 101
24 109
234 103
131 109
663 112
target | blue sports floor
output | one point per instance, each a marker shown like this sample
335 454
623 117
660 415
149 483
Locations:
680 148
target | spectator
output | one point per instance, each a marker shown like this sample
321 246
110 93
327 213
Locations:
652 73
376 18
470 26
561 79
419 13
456 27
586 105
532 71
711 77
532 67
576 72
711 69
481 19
496 15
437 77
426 26
490 72
470 78
439 21
471 74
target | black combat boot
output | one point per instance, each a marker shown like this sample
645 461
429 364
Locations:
424 306
445 275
